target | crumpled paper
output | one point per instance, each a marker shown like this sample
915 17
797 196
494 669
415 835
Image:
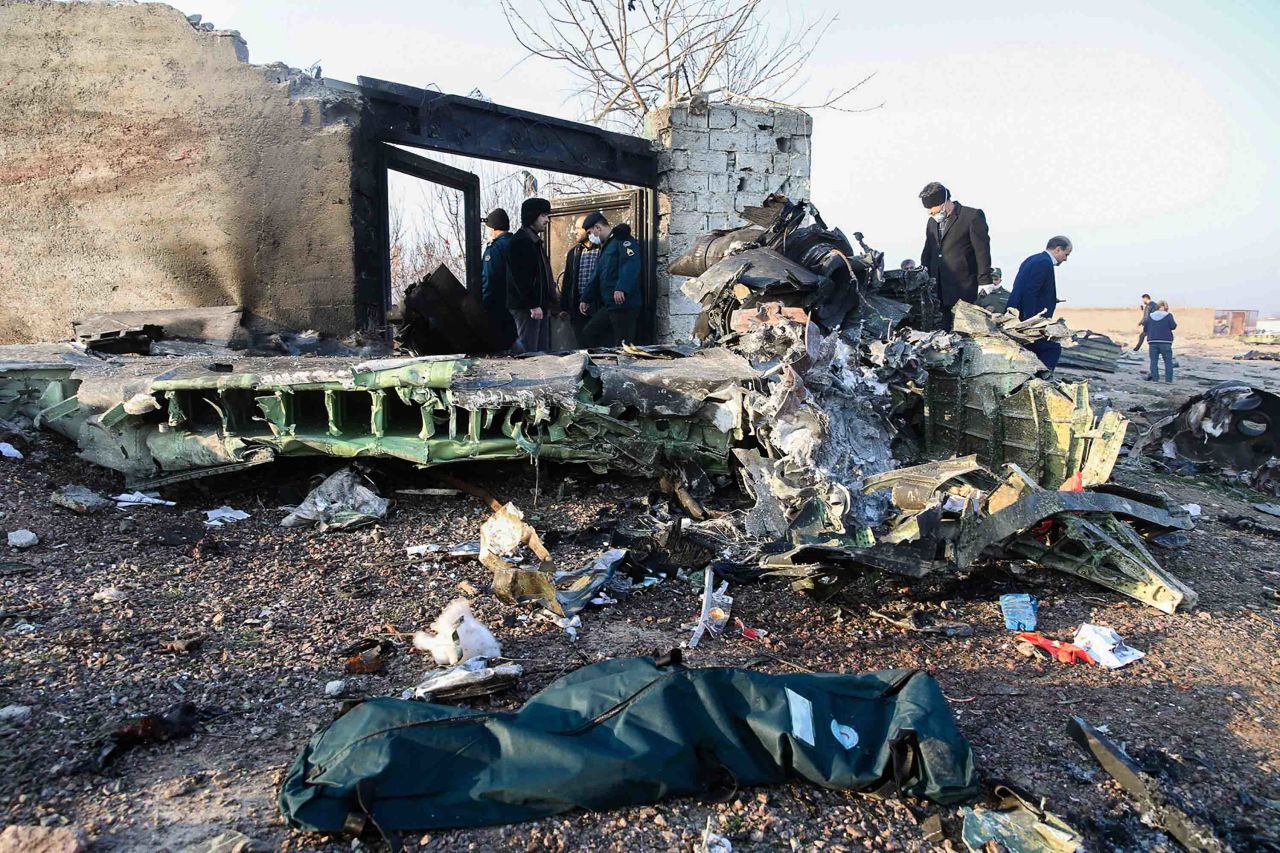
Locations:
1105 646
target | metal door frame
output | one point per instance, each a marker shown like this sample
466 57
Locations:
391 158
470 127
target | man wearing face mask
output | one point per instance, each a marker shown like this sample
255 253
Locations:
957 248
615 286
1035 291
579 264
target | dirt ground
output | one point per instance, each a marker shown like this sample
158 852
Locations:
274 607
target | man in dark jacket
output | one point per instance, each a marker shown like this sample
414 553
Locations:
615 284
530 290
957 248
1147 307
579 263
493 278
1035 291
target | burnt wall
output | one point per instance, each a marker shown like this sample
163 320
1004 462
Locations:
145 164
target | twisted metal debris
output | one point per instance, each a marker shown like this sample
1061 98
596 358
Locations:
819 379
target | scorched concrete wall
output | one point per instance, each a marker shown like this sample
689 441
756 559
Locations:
145 164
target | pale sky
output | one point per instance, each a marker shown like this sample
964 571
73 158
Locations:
1147 132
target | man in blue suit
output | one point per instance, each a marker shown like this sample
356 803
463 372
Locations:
1035 290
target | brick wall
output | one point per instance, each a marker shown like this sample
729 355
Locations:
714 160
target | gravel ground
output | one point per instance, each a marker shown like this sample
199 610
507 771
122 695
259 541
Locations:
274 606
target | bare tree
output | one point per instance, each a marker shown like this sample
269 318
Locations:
630 56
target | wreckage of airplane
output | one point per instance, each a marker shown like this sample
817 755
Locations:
864 441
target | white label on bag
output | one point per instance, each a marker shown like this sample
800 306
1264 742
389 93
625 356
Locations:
845 734
801 716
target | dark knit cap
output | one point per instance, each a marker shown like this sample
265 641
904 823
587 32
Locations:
934 194
532 208
498 220
592 218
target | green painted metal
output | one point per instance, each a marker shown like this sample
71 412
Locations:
427 412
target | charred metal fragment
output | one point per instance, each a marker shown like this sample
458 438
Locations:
711 248
1091 351
1232 425
1101 548
440 317
1148 791
914 487
985 399
676 387
217 417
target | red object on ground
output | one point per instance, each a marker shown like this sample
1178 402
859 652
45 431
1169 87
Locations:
1063 652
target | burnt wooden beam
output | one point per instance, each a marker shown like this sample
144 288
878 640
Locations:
420 118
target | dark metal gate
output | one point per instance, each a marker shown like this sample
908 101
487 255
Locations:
400 115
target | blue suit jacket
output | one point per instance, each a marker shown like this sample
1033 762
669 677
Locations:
1035 289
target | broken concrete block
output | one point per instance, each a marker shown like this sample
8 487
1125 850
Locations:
688 139
23 539
721 117
79 499
731 140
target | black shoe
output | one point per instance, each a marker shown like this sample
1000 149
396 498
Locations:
1148 379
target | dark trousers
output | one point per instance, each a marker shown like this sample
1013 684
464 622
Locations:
1048 352
502 325
531 335
1159 350
610 327
1141 337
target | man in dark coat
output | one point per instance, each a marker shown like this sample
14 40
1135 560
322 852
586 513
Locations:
579 263
957 248
615 285
1035 291
530 289
1147 307
493 278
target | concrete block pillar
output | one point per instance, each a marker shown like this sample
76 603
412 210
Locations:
714 160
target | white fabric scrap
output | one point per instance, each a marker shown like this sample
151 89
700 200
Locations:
1105 646
457 636
8 451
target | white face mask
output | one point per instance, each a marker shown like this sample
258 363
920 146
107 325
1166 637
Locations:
594 238
939 216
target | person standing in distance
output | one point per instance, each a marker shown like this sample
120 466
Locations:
616 286
579 264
